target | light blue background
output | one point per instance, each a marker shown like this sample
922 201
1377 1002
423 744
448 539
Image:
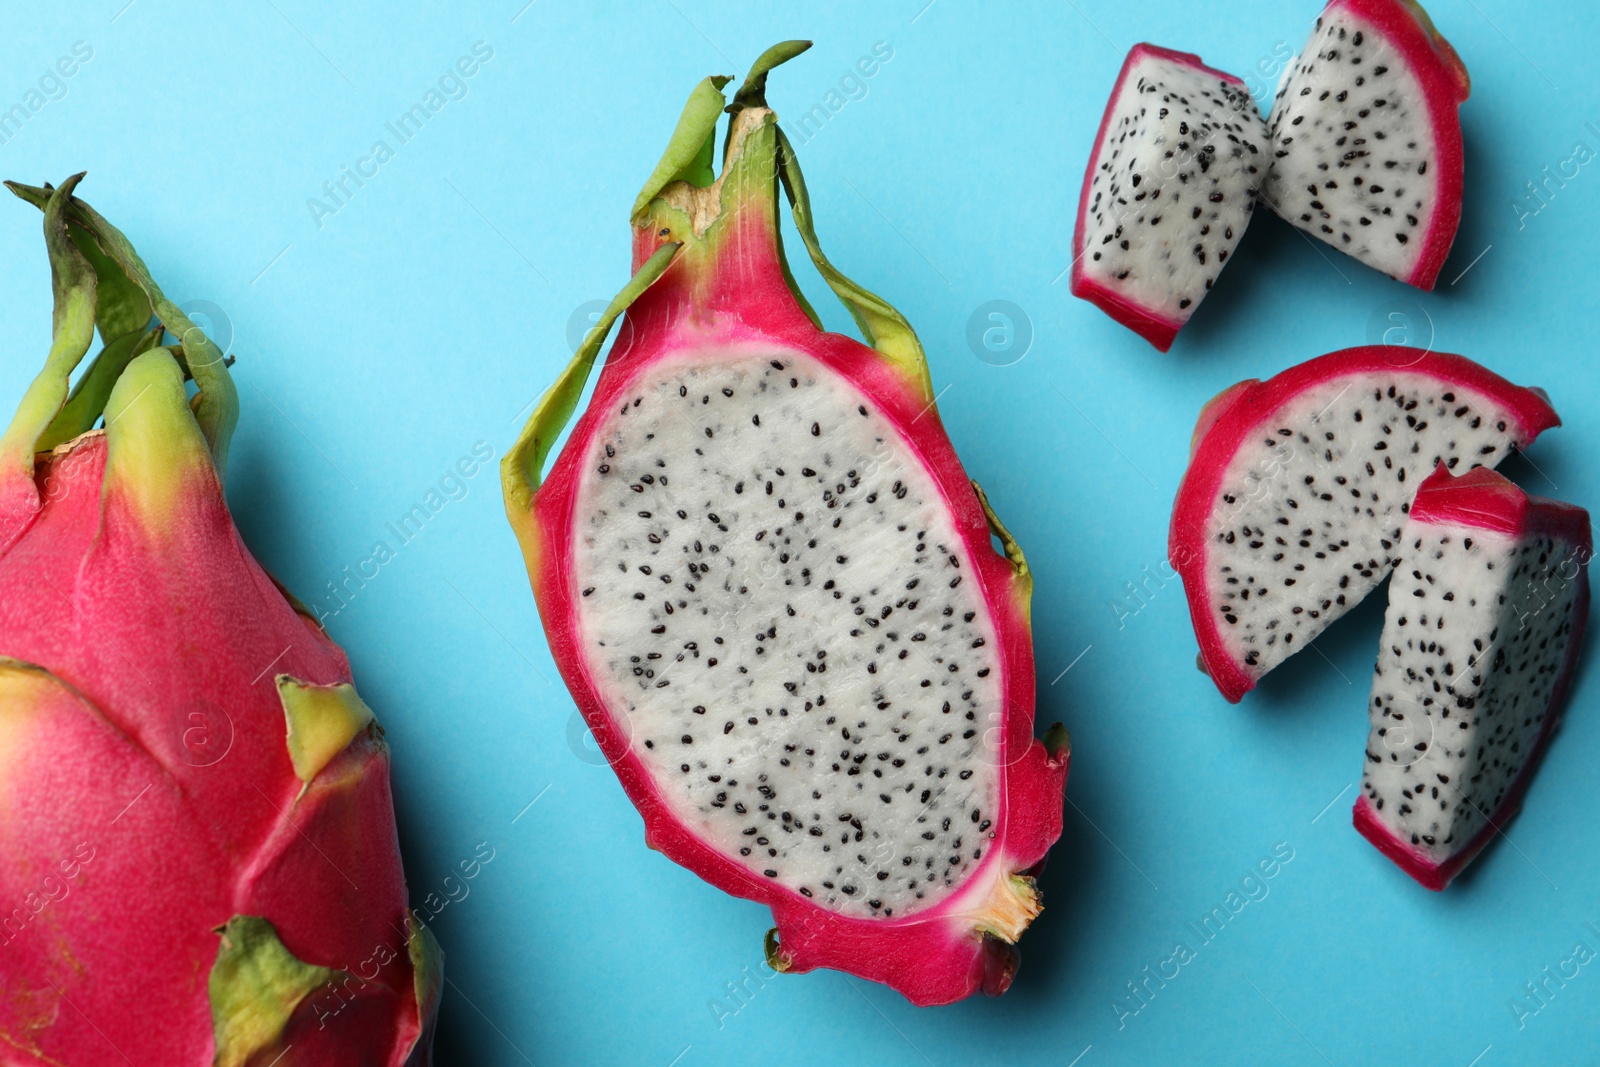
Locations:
427 313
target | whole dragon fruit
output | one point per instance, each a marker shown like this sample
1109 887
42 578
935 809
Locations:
770 586
1484 627
200 859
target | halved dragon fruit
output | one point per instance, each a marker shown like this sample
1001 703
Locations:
1170 187
198 854
1485 622
1297 487
770 586
1366 138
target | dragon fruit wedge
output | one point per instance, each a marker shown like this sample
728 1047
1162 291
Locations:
201 864
1291 509
1485 621
1171 184
769 585
1366 138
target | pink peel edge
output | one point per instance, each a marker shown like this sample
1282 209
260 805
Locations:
1159 330
934 960
1250 406
1442 89
1449 501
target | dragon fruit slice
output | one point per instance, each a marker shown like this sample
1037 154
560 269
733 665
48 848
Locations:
200 859
1170 187
1290 511
1484 626
769 585
1366 138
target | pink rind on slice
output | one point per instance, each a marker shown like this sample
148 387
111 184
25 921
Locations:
1484 499
1444 83
1233 419
1157 329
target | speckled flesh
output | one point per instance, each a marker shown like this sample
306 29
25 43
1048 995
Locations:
770 586
765 568
1484 626
1366 138
1170 186
1290 511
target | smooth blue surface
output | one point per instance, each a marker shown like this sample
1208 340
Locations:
425 314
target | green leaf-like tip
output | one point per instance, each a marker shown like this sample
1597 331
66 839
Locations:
1013 551
255 986
1057 741
884 328
753 91
216 406
689 157
88 399
774 952
427 968
72 283
120 304
322 722
523 466
689 152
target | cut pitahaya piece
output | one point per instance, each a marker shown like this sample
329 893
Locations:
1290 511
1366 138
200 858
769 584
1170 186
1484 626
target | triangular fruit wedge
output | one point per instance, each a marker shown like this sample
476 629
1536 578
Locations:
1485 621
1170 186
1290 511
1366 138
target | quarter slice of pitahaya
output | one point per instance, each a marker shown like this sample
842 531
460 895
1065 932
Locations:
1484 627
770 586
1366 138
1290 511
1170 187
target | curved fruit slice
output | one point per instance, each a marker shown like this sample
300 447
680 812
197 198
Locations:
1485 622
1366 138
1170 187
769 585
1291 508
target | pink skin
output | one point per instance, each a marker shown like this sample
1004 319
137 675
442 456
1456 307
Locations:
1157 329
1445 86
1482 499
148 625
1234 417
742 301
